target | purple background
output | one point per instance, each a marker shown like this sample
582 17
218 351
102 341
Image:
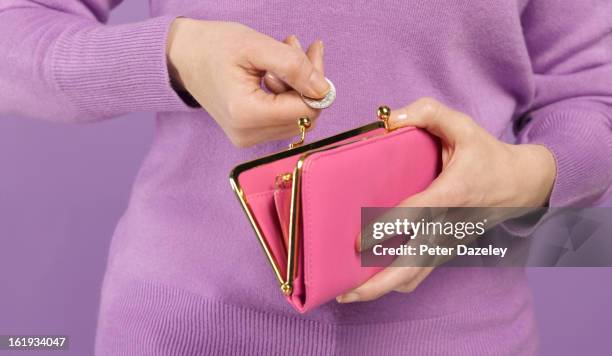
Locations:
63 188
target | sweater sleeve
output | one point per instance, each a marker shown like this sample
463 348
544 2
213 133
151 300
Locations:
570 45
59 61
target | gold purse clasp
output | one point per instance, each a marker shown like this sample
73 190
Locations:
384 113
304 124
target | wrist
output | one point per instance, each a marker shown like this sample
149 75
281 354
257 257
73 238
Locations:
173 52
174 56
536 173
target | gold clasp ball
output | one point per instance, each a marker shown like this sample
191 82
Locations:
383 113
304 122
286 289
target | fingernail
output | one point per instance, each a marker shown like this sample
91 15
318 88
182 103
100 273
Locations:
321 46
348 298
318 84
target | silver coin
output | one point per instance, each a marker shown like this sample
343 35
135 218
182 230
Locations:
326 101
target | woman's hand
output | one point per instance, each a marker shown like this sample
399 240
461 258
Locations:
221 65
478 170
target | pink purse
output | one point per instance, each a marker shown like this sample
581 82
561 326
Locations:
305 203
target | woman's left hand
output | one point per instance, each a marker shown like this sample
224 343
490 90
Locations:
478 170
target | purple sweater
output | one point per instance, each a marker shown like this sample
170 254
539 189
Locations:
185 272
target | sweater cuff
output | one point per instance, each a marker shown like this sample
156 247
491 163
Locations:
581 143
112 70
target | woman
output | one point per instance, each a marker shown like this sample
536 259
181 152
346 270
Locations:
185 274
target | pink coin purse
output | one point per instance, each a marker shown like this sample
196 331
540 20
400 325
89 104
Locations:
305 203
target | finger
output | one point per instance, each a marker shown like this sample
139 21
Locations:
278 109
289 64
433 116
416 281
274 84
315 54
380 284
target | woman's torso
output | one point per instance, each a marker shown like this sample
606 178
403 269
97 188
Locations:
184 228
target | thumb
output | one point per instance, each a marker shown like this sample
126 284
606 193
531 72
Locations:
289 64
433 116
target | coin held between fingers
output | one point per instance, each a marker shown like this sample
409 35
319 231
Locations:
326 101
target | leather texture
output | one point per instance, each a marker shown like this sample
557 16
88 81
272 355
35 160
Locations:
381 171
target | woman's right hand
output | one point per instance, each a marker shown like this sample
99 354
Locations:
222 64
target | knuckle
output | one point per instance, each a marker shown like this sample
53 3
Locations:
239 26
239 140
407 288
428 104
466 126
236 116
466 118
294 64
238 124
373 295
458 195
468 130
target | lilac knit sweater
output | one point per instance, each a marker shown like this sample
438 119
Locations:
185 273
